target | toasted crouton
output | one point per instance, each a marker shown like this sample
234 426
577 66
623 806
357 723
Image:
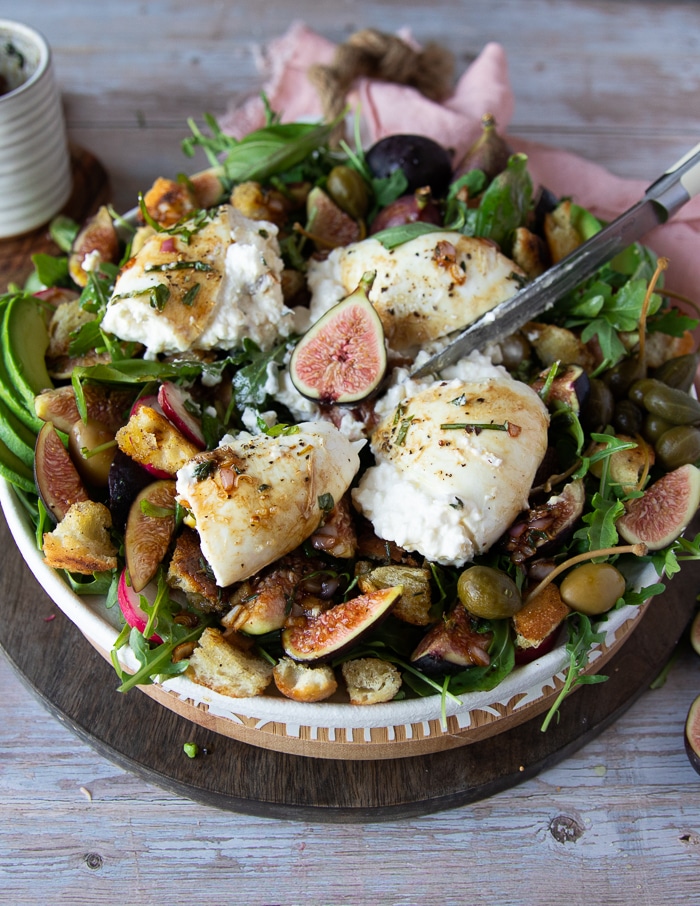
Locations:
224 667
168 201
80 543
414 604
189 572
303 683
530 252
539 617
561 235
370 680
150 439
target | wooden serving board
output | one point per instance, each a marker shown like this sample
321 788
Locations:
79 686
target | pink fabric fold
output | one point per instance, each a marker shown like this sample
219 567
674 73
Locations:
484 87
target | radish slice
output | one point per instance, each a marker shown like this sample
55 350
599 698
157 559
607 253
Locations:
172 400
130 604
150 400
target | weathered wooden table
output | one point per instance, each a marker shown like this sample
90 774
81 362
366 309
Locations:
616 822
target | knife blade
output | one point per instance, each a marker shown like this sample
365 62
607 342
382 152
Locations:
663 198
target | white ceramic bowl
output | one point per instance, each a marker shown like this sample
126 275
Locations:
329 729
35 174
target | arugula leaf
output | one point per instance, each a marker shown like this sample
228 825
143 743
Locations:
582 639
506 203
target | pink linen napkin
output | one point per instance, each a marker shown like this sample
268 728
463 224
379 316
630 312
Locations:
484 87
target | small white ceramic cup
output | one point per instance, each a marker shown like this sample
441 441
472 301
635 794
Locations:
35 172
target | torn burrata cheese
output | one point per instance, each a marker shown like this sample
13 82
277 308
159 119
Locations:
455 461
424 289
206 284
256 498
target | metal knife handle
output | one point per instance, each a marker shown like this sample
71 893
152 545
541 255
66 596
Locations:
678 184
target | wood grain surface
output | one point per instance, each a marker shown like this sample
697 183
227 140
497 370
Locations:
617 822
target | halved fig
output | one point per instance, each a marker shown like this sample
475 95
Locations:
570 387
452 644
546 525
173 401
327 225
98 237
342 357
130 604
692 734
104 404
329 633
663 512
56 477
149 531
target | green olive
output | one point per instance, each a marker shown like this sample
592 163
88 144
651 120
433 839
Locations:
84 437
348 190
678 446
592 588
620 377
488 593
676 406
599 407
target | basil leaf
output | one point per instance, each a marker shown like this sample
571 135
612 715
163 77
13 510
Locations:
505 204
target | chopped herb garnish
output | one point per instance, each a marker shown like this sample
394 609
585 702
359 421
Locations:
326 502
191 294
204 469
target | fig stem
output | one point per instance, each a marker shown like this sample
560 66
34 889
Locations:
639 550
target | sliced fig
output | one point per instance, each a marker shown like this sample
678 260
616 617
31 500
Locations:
695 633
125 480
149 531
452 644
547 524
173 401
570 388
342 357
327 225
663 512
130 603
98 237
418 207
56 477
692 734
105 404
329 633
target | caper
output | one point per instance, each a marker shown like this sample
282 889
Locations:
627 417
678 372
639 388
348 190
676 406
598 409
620 377
678 446
488 593
654 426
592 588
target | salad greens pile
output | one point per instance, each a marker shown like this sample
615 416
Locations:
603 312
